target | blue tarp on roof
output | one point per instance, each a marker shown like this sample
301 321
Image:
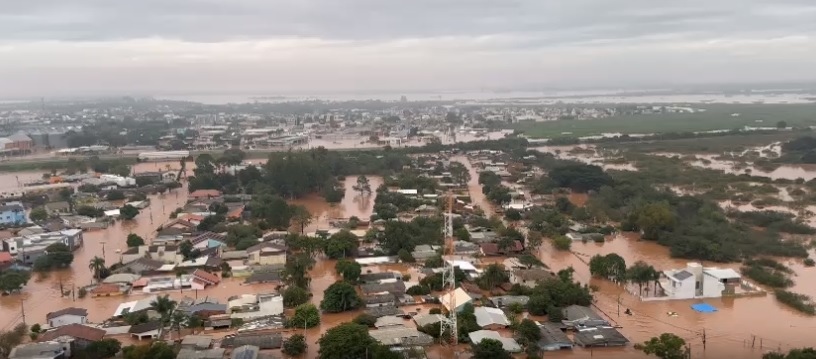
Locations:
703 308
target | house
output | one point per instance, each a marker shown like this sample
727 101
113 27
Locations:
108 290
492 249
28 248
71 315
509 344
196 342
504 301
82 335
401 337
379 300
394 288
264 275
422 320
466 248
61 207
389 321
423 252
383 311
577 316
203 307
121 278
261 341
43 350
267 253
459 297
553 338
204 194
202 279
381 277
187 353
696 281
249 306
481 235
491 318
6 260
530 277
149 330
245 352
208 240
574 236
605 336
134 306
12 213
163 252
141 265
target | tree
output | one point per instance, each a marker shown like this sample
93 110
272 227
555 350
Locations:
294 345
306 316
301 217
13 280
365 319
294 296
11 339
512 215
97 266
341 244
781 125
611 267
155 350
804 353
38 214
350 270
562 243
405 256
434 262
128 212
134 240
100 349
340 297
666 346
418 290
186 249
164 306
534 239
179 320
528 331
555 314
362 186
490 349
459 173
641 273
492 277
115 195
351 340
57 256
530 261
653 218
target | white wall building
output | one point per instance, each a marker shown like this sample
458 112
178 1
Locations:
696 281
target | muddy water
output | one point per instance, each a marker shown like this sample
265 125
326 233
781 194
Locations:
791 172
474 188
586 154
353 204
736 323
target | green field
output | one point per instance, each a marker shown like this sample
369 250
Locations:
716 144
716 117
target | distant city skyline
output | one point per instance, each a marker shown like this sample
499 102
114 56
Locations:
88 47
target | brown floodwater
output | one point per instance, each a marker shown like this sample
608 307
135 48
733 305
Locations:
477 197
353 204
730 331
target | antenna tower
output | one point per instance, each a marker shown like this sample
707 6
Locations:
449 275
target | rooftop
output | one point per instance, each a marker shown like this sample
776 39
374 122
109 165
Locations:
401 336
78 331
490 316
509 344
80 312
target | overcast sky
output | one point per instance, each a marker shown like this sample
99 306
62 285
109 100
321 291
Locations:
58 47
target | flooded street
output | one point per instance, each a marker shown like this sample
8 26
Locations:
739 324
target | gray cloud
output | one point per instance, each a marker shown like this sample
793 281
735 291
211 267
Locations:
457 42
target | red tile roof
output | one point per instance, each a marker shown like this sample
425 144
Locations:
78 331
106 289
80 312
5 257
207 277
492 249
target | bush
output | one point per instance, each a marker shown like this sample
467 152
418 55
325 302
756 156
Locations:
295 345
365 319
418 290
562 243
767 276
405 256
796 301
809 262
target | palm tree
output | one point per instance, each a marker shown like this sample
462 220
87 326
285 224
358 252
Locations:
97 265
165 307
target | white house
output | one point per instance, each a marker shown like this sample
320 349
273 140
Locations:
696 281
71 315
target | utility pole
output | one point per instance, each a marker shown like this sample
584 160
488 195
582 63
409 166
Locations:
618 301
22 309
704 339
